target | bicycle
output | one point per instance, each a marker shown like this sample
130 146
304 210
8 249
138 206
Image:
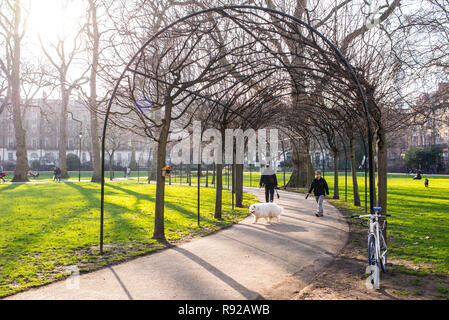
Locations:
377 246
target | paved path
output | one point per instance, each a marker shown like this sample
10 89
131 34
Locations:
246 261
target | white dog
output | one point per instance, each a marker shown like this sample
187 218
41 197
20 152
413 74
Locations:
265 210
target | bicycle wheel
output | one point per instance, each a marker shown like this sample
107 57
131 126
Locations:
372 260
383 252
372 250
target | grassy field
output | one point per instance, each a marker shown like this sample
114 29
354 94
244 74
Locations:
249 179
46 227
419 227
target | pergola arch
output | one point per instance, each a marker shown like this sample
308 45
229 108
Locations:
143 69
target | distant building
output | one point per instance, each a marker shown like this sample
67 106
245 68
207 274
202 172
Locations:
434 129
41 123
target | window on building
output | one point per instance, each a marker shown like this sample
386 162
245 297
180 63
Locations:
11 143
10 156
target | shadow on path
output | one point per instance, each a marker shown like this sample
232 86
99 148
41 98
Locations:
248 294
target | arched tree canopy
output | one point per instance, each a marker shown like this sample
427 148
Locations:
262 66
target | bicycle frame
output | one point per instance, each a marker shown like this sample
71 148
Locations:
374 231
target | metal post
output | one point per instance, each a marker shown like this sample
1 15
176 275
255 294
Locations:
79 159
233 186
346 179
228 175
199 192
323 164
250 176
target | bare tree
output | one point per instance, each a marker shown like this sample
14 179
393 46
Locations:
63 62
12 26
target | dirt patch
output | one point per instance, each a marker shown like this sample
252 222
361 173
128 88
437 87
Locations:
345 278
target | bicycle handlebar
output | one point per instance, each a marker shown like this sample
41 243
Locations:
370 215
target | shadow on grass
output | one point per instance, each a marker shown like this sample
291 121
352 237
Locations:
112 210
10 187
139 196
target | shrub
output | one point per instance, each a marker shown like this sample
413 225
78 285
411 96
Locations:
72 162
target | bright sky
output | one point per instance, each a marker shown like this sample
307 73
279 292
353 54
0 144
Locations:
53 18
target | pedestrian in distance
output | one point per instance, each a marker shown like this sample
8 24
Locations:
268 180
320 190
57 174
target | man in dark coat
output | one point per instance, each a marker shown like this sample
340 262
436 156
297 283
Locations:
269 180
320 190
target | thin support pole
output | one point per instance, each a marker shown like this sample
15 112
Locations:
233 187
250 176
199 193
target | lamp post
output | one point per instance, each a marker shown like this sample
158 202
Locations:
79 159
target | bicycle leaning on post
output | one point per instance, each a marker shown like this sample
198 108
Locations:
377 246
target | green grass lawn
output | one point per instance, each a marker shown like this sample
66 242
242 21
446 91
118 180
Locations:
46 227
250 179
419 227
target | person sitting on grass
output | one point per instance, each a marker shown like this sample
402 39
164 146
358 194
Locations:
2 176
418 176
320 190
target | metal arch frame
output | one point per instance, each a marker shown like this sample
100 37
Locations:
233 7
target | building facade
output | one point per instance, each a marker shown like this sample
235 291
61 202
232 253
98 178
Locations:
432 130
41 121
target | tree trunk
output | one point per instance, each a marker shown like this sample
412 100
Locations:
159 231
111 166
153 170
133 162
382 169
207 176
355 185
149 166
20 172
213 175
301 162
238 185
63 130
336 190
96 156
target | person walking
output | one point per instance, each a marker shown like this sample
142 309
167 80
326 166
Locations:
320 190
269 181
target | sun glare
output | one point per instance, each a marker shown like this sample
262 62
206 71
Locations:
51 19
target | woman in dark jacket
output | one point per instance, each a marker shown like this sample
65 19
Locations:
269 181
320 190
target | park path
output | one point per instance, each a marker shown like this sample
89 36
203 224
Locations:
245 261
